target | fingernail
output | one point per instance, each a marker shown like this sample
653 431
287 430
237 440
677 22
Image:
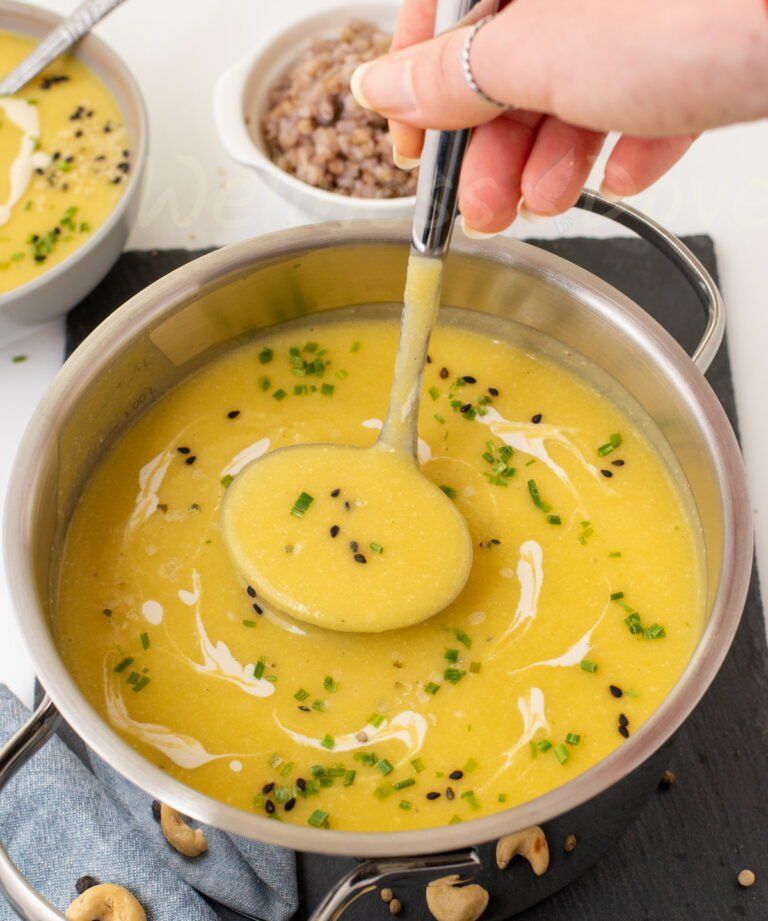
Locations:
475 234
384 86
402 162
608 195
529 215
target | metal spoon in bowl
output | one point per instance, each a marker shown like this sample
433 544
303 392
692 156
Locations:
288 517
69 31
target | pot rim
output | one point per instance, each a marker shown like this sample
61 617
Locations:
18 14
99 350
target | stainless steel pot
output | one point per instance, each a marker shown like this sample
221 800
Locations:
184 319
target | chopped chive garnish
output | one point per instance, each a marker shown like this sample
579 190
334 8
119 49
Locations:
133 677
464 638
586 532
318 705
383 791
431 688
454 675
301 504
654 632
533 490
145 640
502 797
227 480
449 491
286 769
355 347
265 355
554 519
470 766
561 753
366 758
452 655
439 418
454 820
377 548
258 668
402 784
349 778
141 683
614 555
341 374
587 666
265 383
280 394
121 666
274 760
614 441
327 390
418 765
319 819
337 771
573 738
301 694
375 719
311 347
317 770
615 596
544 745
330 685
471 799
475 667
404 804
328 742
385 767
434 393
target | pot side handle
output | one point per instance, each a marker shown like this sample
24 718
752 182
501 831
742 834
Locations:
28 904
681 257
367 875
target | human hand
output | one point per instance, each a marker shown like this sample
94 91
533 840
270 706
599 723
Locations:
660 72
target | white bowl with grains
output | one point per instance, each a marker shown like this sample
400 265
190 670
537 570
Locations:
286 110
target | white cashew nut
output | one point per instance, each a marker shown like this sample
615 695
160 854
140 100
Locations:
449 902
106 902
191 842
530 843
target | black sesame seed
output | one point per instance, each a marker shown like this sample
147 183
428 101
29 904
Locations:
433 795
183 450
190 460
494 540
468 379
354 546
257 608
162 507
359 558
301 784
269 806
444 373
606 473
618 463
55 156
536 418
617 692
623 721
347 506
493 391
268 787
334 530
429 359
335 492
305 709
623 731
456 775
251 591
465 408
107 612
289 804
79 133
156 809
85 882
233 414
194 507
449 794
124 167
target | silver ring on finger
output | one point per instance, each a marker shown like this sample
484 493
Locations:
466 65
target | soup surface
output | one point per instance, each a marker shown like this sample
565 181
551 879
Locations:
64 161
582 608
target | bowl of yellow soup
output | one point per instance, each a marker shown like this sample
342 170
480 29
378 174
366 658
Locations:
72 151
600 479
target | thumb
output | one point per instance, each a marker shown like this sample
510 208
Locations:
424 85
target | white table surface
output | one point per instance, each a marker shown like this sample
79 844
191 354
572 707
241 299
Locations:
194 196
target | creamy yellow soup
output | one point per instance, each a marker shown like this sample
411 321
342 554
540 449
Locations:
64 162
582 607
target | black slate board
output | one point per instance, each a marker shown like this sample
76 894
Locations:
679 860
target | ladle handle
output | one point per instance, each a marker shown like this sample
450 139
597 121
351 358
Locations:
683 260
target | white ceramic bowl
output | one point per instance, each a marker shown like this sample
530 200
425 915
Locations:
57 290
242 91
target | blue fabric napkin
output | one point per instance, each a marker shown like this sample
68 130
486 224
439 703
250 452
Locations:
60 821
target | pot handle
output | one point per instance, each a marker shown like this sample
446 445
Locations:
368 874
28 904
681 257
